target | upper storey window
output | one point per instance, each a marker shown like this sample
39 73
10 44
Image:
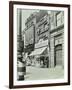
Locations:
59 18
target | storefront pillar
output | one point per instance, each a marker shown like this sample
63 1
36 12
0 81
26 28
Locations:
51 59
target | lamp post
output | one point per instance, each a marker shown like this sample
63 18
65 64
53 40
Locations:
20 47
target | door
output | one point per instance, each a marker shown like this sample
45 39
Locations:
58 54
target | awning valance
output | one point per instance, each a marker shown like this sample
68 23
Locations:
38 51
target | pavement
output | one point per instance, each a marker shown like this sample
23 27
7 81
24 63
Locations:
37 73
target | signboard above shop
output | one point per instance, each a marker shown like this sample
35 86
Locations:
41 43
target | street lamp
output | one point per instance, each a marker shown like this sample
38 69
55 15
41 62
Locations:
20 47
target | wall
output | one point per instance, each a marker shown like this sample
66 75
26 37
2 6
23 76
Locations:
56 31
4 45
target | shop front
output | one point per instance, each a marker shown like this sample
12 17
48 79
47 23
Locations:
40 56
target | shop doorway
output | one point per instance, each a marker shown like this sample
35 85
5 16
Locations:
58 55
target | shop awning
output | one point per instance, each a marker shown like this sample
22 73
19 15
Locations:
38 51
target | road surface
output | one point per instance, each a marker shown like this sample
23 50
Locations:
37 73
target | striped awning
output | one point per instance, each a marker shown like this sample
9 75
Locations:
38 51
